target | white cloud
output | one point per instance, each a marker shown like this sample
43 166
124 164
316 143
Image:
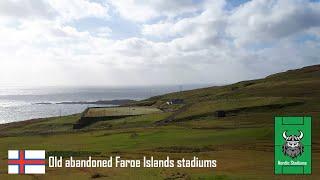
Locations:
142 10
264 20
77 9
51 9
25 9
210 44
253 22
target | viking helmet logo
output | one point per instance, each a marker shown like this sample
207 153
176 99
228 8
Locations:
292 146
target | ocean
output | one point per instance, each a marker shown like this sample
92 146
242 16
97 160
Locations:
18 104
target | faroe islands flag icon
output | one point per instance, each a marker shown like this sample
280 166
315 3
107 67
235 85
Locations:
26 162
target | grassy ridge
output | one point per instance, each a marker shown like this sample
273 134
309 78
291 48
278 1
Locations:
242 142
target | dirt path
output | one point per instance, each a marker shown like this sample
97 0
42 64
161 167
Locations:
173 116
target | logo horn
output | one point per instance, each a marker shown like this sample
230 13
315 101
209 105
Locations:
284 135
301 135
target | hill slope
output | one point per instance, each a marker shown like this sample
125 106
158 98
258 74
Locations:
241 142
294 91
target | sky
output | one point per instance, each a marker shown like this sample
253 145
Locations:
158 42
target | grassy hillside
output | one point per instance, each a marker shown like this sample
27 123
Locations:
242 142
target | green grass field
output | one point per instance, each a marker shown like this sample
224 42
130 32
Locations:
241 142
120 111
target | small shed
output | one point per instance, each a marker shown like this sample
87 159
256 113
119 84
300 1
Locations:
220 113
175 101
